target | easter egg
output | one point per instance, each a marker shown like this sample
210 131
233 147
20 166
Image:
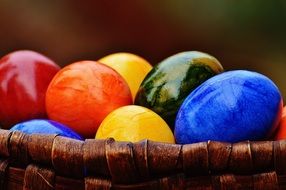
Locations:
82 94
134 123
42 126
131 67
167 85
24 79
231 107
281 133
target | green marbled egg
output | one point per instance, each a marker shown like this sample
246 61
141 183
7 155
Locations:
167 85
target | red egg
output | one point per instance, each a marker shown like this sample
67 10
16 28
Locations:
24 78
82 94
281 132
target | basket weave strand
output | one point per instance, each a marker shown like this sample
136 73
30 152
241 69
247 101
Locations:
48 162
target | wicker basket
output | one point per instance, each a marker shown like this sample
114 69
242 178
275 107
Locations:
44 162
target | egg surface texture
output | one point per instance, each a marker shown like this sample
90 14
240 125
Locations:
233 106
171 81
24 79
134 123
41 126
82 94
131 67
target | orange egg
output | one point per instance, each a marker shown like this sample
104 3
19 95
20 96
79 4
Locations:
82 94
281 133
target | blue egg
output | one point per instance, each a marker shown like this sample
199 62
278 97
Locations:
230 107
42 126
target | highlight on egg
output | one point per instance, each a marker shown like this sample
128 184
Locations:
134 123
230 107
82 94
24 79
167 85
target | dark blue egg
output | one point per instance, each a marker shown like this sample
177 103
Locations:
42 126
231 107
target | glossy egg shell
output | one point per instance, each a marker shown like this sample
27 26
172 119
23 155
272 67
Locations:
24 79
131 67
41 126
82 94
233 106
171 81
134 123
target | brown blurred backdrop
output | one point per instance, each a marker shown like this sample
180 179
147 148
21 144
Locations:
241 34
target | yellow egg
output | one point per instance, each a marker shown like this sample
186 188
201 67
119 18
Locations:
134 123
131 67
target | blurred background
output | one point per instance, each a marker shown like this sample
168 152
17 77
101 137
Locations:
241 34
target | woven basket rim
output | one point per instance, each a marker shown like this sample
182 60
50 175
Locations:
124 164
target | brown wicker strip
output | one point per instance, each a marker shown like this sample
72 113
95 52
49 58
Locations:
262 155
266 181
152 185
40 148
164 159
281 181
227 181
19 149
241 158
63 183
280 156
121 162
67 157
141 159
53 162
219 154
195 159
38 178
3 168
14 178
97 184
230 181
175 182
94 156
4 142
199 183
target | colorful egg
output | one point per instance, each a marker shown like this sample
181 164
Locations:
82 94
171 81
281 133
134 123
24 79
41 126
131 67
233 106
